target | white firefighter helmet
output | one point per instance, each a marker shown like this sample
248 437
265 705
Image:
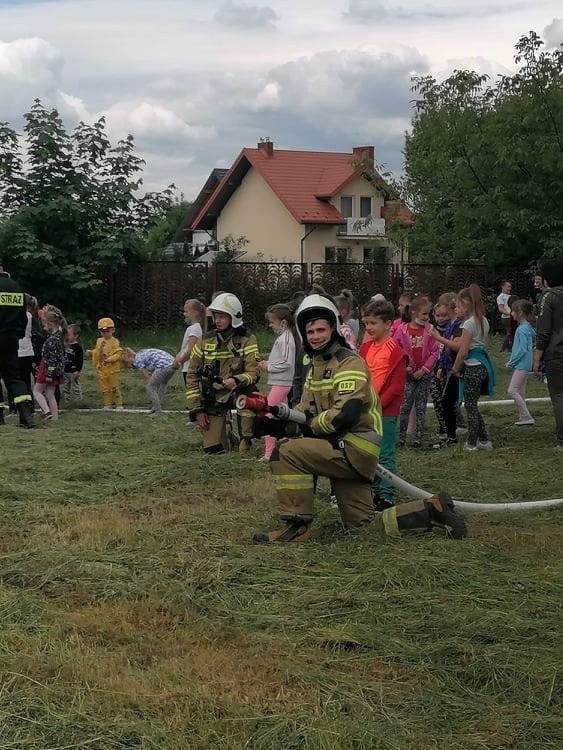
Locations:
315 307
228 304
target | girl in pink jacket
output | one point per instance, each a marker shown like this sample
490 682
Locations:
422 352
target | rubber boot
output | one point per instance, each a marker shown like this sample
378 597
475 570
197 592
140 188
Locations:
2 421
295 530
437 511
26 415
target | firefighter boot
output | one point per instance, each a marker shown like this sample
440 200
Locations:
295 530
26 415
244 445
424 515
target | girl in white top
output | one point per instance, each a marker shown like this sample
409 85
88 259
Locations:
473 360
281 362
194 315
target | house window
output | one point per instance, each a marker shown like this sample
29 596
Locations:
376 254
338 254
365 206
347 206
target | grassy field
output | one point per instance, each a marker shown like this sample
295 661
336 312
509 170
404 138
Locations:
136 613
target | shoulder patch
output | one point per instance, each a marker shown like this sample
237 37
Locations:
346 386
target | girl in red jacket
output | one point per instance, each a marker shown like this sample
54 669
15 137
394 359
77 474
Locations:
387 363
422 351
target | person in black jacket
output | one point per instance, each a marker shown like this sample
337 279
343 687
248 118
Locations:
13 321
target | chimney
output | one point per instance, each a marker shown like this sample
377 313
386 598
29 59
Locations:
266 146
365 155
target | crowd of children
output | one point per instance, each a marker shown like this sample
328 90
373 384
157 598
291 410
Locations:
424 351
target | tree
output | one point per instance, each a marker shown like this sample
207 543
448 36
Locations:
70 211
162 233
483 162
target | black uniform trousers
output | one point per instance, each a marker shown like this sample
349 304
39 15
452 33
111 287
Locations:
10 369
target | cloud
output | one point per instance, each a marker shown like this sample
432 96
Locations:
553 34
365 10
241 15
29 68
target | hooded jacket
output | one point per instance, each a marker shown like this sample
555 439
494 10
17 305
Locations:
550 324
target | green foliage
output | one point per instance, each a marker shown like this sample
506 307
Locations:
162 233
483 162
70 210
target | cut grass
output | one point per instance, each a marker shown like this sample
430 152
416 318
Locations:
135 612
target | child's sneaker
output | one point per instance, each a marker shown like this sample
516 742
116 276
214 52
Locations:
484 445
46 416
469 447
461 430
107 408
119 408
521 422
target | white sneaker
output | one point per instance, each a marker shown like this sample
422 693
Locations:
471 448
522 422
484 445
119 408
334 501
107 408
461 431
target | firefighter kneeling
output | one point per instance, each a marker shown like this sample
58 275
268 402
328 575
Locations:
340 441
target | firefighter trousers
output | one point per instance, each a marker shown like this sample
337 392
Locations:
215 436
10 370
295 462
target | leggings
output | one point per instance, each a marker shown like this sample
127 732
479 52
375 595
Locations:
473 379
517 391
44 396
277 395
416 393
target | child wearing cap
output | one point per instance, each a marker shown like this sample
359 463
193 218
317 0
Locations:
106 358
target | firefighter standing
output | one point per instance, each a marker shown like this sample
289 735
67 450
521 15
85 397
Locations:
13 322
223 362
341 440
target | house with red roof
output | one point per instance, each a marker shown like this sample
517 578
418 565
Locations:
300 206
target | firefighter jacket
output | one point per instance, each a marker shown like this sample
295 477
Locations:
344 407
13 316
215 358
106 356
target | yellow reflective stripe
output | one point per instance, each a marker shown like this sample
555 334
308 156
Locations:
389 521
196 352
252 349
293 481
350 375
321 419
366 446
22 399
192 392
327 384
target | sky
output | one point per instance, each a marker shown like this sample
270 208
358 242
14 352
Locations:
195 81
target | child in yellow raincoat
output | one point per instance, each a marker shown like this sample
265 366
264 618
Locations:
106 358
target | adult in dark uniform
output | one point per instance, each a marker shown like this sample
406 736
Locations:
13 321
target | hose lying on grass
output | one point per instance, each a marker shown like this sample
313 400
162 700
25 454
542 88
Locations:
419 494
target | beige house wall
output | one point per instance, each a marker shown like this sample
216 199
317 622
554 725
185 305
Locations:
256 212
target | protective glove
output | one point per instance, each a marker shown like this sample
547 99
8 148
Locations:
267 426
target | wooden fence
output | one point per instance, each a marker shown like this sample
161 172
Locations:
151 295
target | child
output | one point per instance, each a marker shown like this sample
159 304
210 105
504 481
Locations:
422 352
281 362
404 310
194 315
472 357
344 303
437 380
50 372
156 368
449 343
522 358
72 388
106 358
386 363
